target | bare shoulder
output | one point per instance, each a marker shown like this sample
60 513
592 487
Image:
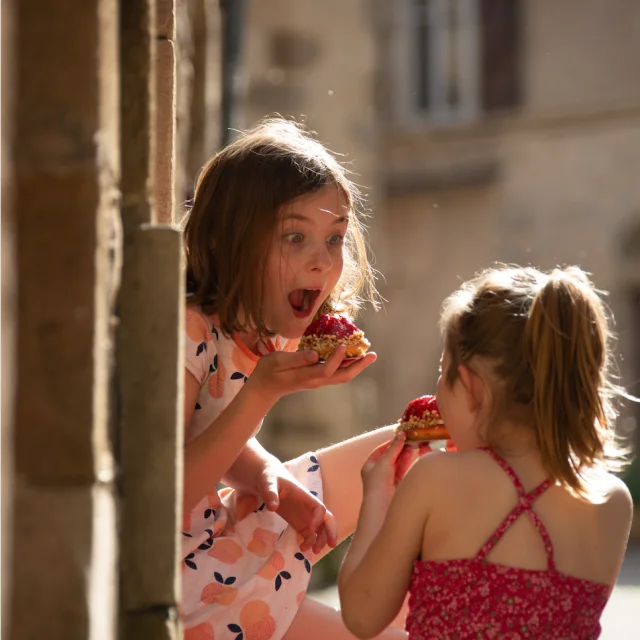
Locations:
454 476
618 501
448 465
611 501
615 515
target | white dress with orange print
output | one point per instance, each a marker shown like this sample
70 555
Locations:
243 574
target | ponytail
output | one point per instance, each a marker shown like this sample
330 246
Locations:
566 347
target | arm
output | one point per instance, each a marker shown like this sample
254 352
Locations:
252 470
210 456
259 473
245 471
376 572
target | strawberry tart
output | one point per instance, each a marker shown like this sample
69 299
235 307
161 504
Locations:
328 332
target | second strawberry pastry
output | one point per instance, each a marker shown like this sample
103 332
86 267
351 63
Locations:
421 421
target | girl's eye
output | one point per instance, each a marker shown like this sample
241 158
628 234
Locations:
294 238
335 240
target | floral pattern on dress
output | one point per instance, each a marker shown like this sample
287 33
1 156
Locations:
229 563
472 598
243 574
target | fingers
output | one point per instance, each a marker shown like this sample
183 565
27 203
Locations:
331 528
378 452
334 361
317 518
305 372
308 540
286 360
354 367
424 447
310 534
391 448
347 362
340 371
268 489
395 448
451 446
321 541
327 533
406 458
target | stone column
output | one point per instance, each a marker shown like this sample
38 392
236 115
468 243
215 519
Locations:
165 119
9 292
65 169
198 92
149 347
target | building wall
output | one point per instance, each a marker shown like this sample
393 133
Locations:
302 61
550 182
561 198
581 54
559 185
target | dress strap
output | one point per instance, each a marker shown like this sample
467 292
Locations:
524 505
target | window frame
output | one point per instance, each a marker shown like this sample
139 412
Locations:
440 113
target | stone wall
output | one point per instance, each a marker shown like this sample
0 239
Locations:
149 336
8 302
64 161
91 322
198 97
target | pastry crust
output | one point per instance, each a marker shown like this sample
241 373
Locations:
325 345
325 334
426 435
422 422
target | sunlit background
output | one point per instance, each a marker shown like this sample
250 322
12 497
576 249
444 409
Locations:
481 131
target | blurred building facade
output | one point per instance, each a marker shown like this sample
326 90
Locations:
483 131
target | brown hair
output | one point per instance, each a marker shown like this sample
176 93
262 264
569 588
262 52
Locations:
238 196
546 339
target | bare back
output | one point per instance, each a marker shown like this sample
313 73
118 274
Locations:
475 495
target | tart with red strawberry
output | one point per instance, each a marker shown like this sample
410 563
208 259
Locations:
327 332
422 422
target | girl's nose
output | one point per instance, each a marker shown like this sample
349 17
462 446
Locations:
321 259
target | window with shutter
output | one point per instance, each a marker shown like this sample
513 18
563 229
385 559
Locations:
457 58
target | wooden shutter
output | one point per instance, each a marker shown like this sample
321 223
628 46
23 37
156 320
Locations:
501 51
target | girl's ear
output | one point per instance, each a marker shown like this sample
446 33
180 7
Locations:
473 387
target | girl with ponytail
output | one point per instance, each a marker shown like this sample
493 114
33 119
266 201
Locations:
521 532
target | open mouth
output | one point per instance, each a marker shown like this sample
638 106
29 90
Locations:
303 301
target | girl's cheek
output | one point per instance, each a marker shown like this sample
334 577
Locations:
339 254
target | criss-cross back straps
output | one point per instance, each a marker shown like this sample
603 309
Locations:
524 504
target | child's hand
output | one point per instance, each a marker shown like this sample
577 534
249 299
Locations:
282 493
386 466
279 374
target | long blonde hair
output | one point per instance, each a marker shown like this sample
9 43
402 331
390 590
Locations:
546 337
